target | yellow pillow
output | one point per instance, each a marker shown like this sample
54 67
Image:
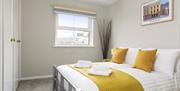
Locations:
118 55
145 60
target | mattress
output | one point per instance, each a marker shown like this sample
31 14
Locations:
153 81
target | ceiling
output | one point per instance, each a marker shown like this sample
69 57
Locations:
100 2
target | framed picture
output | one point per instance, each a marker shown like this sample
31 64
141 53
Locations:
157 11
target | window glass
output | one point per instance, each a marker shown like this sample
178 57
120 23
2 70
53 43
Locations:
71 37
73 30
81 21
66 20
70 20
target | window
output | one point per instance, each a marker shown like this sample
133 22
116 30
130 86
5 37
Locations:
74 30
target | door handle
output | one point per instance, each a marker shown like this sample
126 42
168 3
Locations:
18 41
12 39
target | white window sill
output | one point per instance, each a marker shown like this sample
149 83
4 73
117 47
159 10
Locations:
71 46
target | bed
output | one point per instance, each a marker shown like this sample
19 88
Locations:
164 77
67 79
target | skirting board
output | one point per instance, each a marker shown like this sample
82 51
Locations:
36 77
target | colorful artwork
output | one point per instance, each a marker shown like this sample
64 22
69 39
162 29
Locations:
157 11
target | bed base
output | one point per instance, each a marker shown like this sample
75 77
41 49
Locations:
59 79
59 82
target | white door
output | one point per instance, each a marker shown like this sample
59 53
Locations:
9 28
19 39
16 44
1 89
8 45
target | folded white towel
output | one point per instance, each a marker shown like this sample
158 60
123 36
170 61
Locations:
101 67
103 70
83 64
101 73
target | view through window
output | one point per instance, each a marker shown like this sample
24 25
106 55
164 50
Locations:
74 30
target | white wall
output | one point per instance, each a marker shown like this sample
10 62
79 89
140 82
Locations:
38 54
127 30
38 29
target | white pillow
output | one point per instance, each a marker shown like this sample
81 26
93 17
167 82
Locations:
166 60
131 56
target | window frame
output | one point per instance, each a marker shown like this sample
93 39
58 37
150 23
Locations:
91 22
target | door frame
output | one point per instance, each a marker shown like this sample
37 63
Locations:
1 45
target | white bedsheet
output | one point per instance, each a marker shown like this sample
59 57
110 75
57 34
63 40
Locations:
154 81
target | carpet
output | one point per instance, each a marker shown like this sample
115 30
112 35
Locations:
35 85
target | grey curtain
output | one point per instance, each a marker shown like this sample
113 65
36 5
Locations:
104 28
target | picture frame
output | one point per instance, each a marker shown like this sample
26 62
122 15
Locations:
157 11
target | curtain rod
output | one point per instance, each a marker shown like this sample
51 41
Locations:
64 9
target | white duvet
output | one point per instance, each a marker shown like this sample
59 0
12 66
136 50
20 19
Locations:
153 81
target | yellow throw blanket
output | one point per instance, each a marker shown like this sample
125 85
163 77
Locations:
117 81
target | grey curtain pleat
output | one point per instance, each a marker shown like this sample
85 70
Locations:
104 28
